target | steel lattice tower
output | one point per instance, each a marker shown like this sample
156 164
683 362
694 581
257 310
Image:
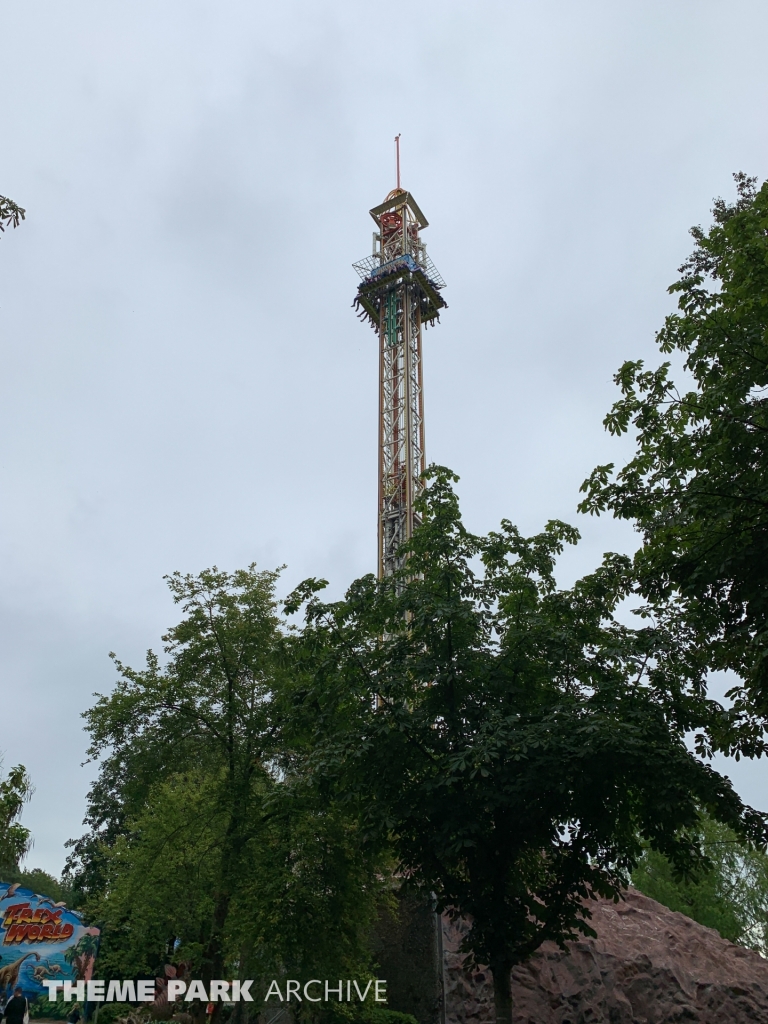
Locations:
398 295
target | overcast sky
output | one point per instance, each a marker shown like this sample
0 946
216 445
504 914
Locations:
183 380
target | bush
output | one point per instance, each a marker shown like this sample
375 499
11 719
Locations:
379 1015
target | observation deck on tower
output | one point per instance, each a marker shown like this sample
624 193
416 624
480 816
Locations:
398 253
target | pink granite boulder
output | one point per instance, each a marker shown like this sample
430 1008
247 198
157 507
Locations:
648 965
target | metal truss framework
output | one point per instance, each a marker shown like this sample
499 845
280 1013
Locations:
399 294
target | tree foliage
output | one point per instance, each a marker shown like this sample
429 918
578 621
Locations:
205 708
15 839
515 741
730 896
199 848
11 214
43 883
697 486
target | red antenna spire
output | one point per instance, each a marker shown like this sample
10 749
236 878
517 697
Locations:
397 158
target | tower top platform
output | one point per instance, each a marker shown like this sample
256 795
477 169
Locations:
396 199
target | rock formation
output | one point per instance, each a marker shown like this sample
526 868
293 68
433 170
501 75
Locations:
648 965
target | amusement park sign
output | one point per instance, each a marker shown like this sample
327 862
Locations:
24 923
41 941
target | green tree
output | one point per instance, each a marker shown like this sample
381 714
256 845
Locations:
15 839
42 882
206 708
302 903
161 876
201 848
514 741
10 213
730 896
697 485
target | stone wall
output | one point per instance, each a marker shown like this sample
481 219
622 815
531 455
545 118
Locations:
647 965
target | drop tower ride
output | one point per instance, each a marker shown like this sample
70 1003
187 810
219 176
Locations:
399 294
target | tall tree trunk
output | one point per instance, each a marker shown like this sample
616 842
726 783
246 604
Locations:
213 957
502 992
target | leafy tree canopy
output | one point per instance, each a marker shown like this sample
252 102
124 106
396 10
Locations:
515 741
15 839
45 884
731 896
206 708
697 486
199 850
11 214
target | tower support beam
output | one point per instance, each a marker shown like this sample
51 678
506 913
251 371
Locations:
399 294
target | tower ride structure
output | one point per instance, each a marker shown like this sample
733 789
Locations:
399 295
